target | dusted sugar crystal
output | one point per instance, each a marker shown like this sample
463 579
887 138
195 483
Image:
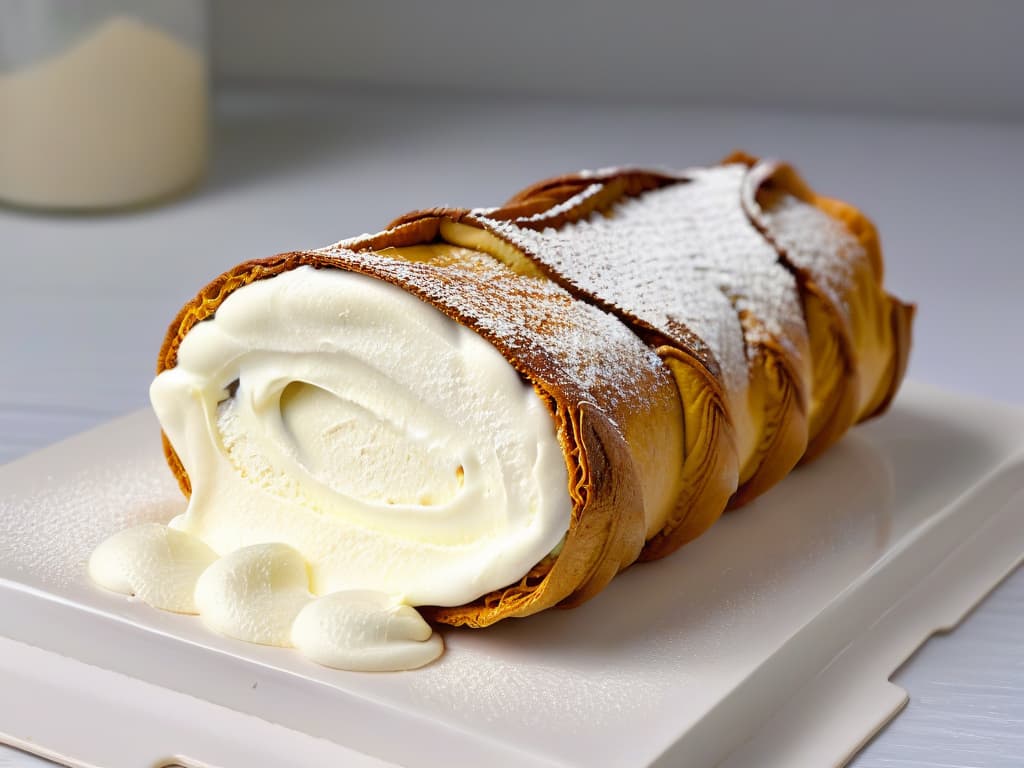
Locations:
682 260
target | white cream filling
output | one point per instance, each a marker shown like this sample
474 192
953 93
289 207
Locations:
254 593
157 564
365 631
392 449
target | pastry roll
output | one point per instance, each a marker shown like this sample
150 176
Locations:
419 419
491 412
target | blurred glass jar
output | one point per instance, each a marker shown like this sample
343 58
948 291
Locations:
103 103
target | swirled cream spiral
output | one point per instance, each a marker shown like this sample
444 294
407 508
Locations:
396 450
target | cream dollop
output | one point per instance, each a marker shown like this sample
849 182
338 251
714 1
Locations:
159 565
395 449
260 594
365 631
254 593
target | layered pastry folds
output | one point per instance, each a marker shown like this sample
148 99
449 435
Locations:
490 412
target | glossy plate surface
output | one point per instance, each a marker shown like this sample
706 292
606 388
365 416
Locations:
769 641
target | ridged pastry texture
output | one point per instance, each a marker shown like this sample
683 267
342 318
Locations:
730 305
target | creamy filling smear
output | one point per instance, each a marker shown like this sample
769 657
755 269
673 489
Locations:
353 453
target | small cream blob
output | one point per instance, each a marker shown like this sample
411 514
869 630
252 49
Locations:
159 565
365 631
254 593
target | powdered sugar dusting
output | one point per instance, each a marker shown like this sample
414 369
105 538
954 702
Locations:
747 265
557 210
815 243
580 348
683 260
47 535
597 173
493 689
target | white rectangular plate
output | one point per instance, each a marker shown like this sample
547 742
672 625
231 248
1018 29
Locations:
768 641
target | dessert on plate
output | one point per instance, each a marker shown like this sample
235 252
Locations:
481 414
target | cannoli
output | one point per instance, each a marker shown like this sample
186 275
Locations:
486 413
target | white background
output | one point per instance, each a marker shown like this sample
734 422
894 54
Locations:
940 57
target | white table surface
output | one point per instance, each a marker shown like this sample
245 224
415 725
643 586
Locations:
85 301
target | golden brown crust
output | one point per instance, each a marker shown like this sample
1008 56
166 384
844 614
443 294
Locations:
710 468
902 319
